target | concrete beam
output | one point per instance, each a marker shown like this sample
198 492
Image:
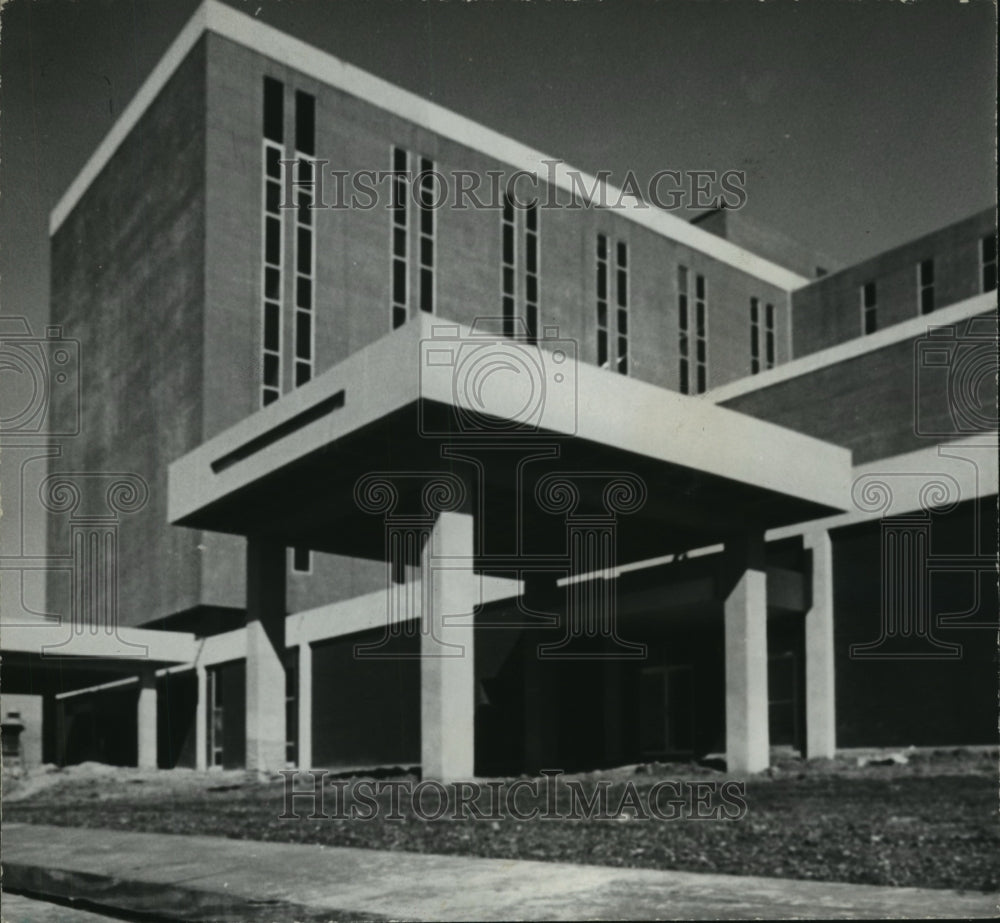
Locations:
821 724
131 647
747 732
146 718
447 669
265 671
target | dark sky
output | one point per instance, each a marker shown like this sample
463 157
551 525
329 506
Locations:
859 124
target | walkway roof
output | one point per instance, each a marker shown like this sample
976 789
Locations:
411 402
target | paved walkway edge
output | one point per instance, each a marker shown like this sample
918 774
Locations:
158 903
163 877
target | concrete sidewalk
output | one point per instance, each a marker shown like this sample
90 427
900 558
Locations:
211 878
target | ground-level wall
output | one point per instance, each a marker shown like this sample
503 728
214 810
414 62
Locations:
913 700
366 710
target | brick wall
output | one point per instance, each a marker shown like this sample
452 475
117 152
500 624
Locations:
352 294
828 311
949 702
128 282
878 404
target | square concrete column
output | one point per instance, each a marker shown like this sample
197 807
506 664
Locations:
747 737
305 705
447 669
821 721
146 716
265 674
201 720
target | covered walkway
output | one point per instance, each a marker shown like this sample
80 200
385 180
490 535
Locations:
453 454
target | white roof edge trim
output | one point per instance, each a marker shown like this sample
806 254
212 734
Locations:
928 462
147 92
851 349
320 65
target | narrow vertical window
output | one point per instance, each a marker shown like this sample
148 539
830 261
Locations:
399 238
869 307
305 238
426 255
754 336
292 706
683 330
602 301
272 245
988 262
531 270
305 123
925 282
215 728
528 226
701 333
769 336
274 110
508 265
612 305
621 289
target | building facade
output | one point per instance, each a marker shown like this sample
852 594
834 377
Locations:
270 241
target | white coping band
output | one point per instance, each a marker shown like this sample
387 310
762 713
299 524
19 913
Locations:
966 469
940 475
102 687
334 620
307 59
905 330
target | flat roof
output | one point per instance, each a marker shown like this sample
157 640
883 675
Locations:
213 16
422 400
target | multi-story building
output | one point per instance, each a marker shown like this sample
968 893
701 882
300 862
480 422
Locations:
729 494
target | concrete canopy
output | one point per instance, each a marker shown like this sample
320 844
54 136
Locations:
514 421
52 657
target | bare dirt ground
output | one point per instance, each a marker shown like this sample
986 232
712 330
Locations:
914 817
